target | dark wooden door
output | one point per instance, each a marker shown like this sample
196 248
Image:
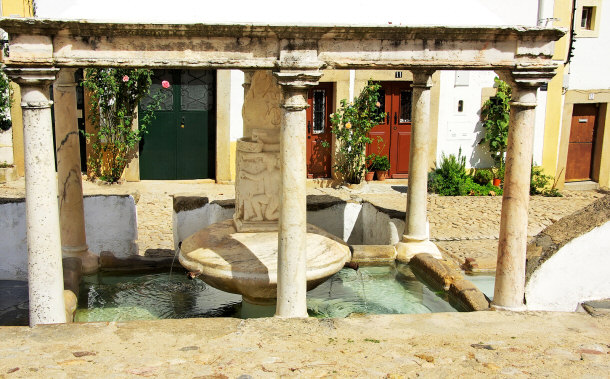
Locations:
319 131
582 137
180 143
393 138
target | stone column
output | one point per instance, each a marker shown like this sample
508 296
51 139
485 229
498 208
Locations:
45 277
415 240
71 211
292 254
510 269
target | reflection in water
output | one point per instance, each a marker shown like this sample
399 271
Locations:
370 290
374 290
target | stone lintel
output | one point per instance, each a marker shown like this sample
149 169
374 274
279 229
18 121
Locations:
243 46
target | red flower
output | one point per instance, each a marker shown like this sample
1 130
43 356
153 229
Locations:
165 84
125 78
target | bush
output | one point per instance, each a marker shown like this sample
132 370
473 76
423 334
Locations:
450 178
483 177
539 182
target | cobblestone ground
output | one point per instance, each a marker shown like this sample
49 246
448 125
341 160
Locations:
461 226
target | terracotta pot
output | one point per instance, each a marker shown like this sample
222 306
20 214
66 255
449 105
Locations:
368 176
381 175
496 182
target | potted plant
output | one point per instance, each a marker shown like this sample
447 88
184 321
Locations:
380 164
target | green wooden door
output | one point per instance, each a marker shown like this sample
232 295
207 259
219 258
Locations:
180 143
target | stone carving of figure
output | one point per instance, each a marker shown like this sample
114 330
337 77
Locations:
265 205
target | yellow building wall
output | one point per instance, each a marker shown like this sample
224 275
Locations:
22 8
554 102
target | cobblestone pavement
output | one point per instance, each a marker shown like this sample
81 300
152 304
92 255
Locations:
461 226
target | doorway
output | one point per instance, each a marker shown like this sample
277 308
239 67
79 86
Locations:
181 140
393 137
581 145
319 131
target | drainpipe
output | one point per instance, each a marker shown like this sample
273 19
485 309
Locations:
545 13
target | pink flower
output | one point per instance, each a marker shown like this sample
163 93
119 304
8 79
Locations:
125 78
165 84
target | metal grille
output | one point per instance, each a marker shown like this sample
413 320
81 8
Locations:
197 90
319 111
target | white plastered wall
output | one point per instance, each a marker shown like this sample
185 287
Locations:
589 69
576 273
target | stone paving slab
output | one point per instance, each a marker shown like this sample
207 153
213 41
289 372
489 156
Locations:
478 344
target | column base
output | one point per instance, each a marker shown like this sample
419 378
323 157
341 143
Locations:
407 249
519 308
90 261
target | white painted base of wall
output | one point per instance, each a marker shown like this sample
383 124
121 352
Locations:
110 222
578 272
354 223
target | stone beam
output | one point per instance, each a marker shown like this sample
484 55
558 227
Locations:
86 44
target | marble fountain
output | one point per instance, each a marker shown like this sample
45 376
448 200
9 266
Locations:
240 255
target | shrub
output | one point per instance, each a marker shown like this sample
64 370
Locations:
539 183
483 177
450 178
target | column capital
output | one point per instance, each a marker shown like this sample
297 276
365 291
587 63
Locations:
422 78
33 81
298 78
533 78
32 76
65 78
294 84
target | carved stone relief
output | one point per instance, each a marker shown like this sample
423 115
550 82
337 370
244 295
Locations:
257 184
261 108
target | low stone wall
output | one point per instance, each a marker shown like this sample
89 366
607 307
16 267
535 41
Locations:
568 262
193 213
462 294
356 222
110 222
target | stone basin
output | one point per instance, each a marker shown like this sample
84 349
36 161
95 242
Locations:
246 263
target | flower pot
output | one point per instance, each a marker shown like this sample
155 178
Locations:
368 176
496 182
381 175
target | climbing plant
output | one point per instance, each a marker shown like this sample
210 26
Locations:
5 102
115 95
496 115
351 125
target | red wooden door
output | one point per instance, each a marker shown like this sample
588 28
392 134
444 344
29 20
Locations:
582 137
400 141
319 131
395 132
380 134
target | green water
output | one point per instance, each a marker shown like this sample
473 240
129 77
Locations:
370 290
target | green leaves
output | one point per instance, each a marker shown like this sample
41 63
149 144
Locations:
496 117
115 95
351 124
